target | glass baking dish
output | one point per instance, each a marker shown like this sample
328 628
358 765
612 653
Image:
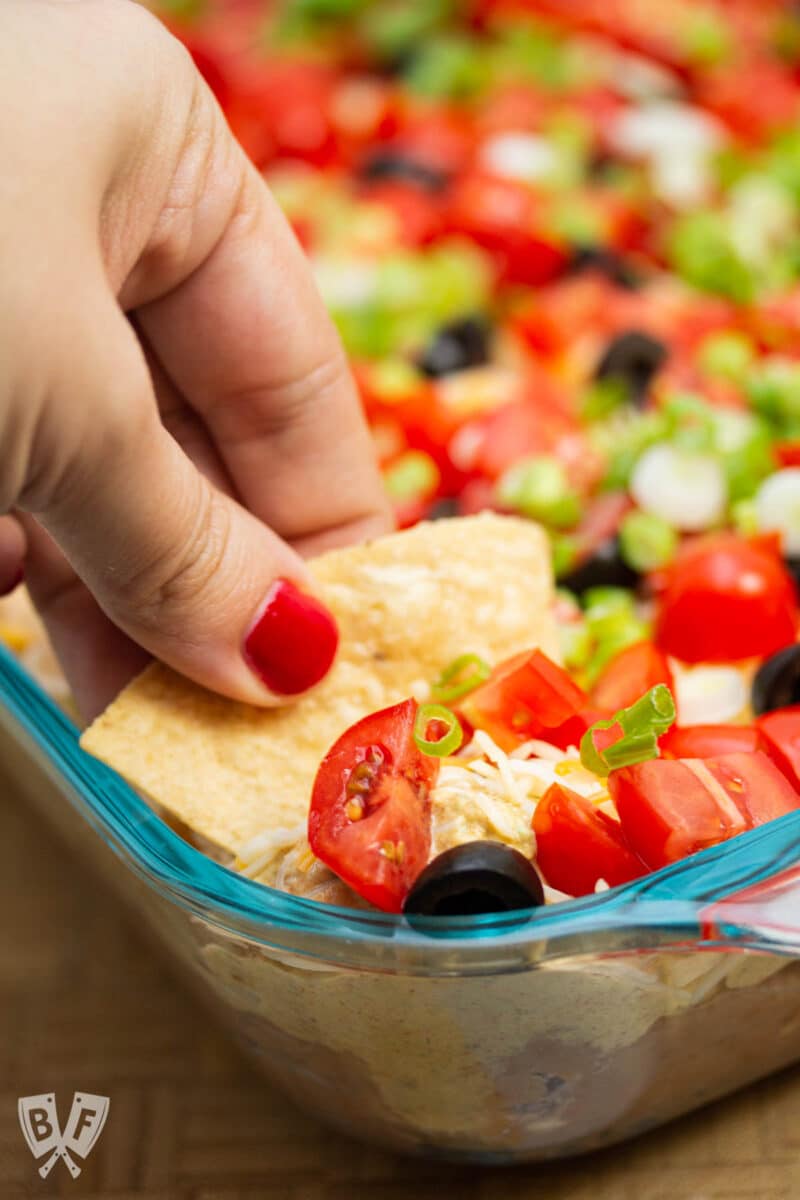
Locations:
502 1039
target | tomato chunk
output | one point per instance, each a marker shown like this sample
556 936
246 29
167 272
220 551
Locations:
709 741
629 675
576 844
370 813
780 732
529 696
726 598
672 807
502 216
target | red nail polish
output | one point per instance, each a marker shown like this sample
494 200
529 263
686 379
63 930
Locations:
293 643
14 582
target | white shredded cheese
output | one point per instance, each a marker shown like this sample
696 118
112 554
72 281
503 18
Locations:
261 851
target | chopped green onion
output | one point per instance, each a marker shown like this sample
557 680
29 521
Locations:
604 397
642 724
412 474
401 282
727 355
601 602
691 421
748 464
707 38
463 675
531 52
623 438
187 10
744 517
393 379
646 541
702 251
773 388
577 221
325 10
366 332
538 488
446 66
564 553
576 643
450 740
613 636
458 279
393 29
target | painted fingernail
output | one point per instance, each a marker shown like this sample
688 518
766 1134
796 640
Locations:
14 582
293 642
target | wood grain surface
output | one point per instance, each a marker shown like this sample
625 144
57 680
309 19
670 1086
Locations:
85 1005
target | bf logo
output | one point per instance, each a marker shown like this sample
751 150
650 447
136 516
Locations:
39 1123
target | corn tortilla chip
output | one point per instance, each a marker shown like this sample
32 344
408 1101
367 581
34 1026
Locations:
407 605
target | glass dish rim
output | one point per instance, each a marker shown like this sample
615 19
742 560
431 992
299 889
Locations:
665 908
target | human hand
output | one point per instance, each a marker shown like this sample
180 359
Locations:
178 422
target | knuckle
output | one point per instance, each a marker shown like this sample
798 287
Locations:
183 573
203 189
282 407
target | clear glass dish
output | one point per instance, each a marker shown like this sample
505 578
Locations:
501 1039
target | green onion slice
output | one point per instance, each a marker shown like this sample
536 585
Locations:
464 674
450 740
641 726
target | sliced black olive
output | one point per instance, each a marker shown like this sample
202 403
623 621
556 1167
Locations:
633 358
606 568
777 681
456 346
446 507
393 164
606 262
478 877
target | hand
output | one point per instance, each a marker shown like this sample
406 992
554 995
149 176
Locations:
177 419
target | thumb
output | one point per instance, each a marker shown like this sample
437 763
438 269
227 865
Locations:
179 566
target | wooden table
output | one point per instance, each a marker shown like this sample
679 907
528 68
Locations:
85 1005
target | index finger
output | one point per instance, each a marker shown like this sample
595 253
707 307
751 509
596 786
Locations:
246 339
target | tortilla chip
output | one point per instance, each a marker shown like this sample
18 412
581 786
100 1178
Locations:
407 605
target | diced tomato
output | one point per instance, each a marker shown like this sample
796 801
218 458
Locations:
370 813
539 423
529 696
788 453
441 137
709 741
552 320
629 675
290 102
212 65
726 598
769 102
363 109
780 732
503 216
417 213
512 107
673 807
576 844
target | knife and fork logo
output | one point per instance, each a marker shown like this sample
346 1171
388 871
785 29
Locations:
39 1123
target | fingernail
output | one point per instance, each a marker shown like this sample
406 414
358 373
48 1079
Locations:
14 582
293 642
